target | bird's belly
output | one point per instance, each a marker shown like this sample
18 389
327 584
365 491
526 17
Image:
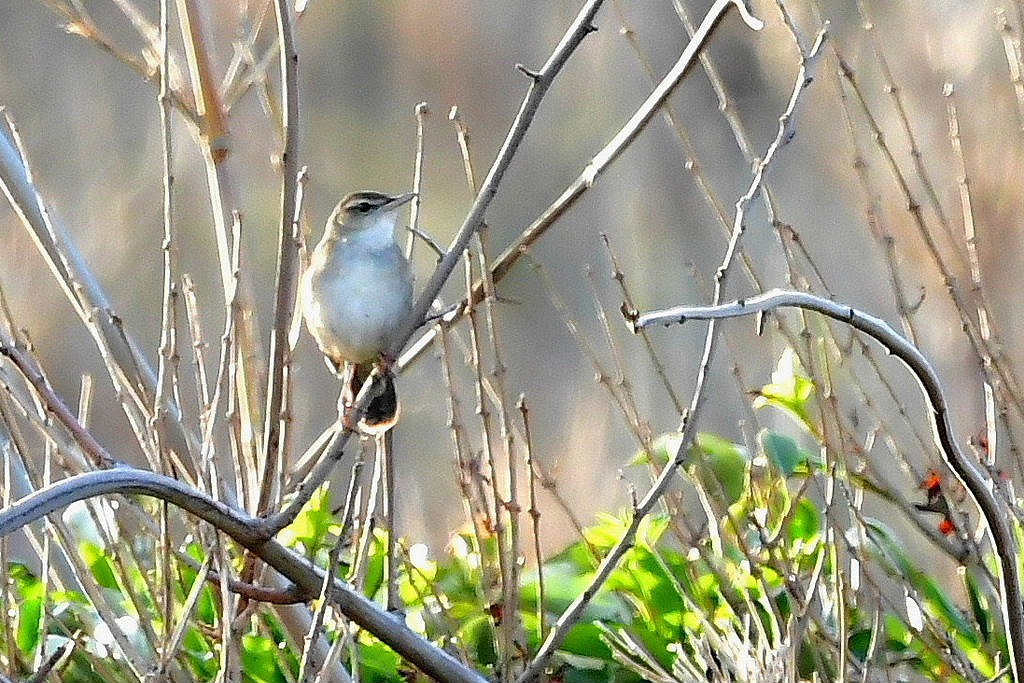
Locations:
356 310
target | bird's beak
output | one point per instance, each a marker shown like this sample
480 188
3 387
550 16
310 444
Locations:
398 201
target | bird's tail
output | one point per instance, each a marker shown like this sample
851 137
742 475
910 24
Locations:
383 408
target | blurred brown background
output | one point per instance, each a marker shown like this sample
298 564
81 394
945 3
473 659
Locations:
91 128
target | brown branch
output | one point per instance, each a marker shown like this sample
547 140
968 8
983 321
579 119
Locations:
275 420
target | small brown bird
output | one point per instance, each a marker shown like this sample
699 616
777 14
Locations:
355 295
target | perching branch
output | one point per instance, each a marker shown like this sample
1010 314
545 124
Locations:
541 80
636 124
997 519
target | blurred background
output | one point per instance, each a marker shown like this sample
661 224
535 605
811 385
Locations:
90 125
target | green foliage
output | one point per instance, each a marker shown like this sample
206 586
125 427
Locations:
790 390
29 608
732 606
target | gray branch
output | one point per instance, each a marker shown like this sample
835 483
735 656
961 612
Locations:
247 532
997 518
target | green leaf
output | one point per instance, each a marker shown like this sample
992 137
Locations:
663 448
478 635
378 662
805 526
723 467
784 452
940 605
312 529
565 577
791 390
99 565
585 639
375 565
980 606
860 642
29 613
259 658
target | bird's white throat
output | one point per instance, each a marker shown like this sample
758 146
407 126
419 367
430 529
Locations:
376 232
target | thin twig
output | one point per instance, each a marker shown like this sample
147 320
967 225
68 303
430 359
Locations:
276 418
128 369
168 336
422 110
993 360
503 263
659 367
534 512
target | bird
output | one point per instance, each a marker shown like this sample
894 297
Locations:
355 295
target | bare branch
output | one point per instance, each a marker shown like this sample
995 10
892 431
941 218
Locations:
503 263
580 28
287 248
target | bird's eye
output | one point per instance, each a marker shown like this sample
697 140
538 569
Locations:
363 207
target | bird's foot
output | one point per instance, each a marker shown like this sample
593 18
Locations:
386 362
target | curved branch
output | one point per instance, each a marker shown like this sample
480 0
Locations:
996 517
247 532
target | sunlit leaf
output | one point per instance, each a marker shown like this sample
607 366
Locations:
311 531
260 659
805 525
29 612
723 467
378 662
663 448
99 565
790 390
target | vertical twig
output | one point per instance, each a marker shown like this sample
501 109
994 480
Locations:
977 284
385 444
511 618
276 418
487 458
215 146
163 100
422 110
534 511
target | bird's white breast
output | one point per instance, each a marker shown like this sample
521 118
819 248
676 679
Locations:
357 292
